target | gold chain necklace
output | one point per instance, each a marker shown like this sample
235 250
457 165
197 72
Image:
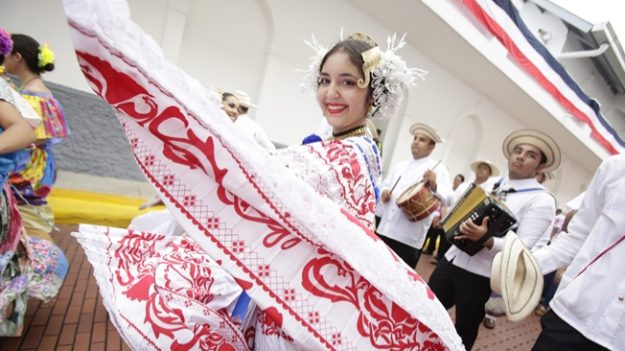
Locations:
358 131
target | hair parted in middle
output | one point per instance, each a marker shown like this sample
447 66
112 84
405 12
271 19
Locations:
385 74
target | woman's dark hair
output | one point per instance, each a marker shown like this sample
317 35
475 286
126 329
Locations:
353 49
224 96
1 59
29 49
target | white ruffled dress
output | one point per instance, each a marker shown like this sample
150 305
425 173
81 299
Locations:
291 229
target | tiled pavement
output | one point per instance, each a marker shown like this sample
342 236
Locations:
77 320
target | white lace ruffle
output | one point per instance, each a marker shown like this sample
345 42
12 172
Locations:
254 176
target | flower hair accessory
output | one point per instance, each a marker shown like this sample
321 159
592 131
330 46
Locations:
385 72
6 43
46 56
370 58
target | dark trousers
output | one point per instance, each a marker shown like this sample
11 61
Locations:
377 221
430 240
549 288
467 291
559 335
408 254
443 246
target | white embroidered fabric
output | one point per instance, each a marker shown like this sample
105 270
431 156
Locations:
316 271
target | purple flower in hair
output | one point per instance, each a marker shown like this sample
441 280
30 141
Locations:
6 43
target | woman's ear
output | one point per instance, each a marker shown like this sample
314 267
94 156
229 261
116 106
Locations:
17 56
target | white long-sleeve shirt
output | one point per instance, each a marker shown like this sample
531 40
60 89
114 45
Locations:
462 188
253 131
593 301
534 210
394 223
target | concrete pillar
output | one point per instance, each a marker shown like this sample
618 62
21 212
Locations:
175 22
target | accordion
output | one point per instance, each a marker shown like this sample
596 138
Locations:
476 204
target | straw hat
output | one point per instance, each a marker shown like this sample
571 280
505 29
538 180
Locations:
535 138
220 92
493 169
427 130
517 277
244 99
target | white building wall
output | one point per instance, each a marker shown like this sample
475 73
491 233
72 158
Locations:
45 21
259 49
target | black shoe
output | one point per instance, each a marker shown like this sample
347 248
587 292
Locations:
489 322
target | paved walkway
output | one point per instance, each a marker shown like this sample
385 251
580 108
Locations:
77 320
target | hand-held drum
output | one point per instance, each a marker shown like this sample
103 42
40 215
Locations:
418 202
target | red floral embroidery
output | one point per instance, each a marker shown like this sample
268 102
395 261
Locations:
387 325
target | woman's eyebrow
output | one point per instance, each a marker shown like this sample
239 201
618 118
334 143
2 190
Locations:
340 75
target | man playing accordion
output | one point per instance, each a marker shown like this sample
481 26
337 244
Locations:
463 280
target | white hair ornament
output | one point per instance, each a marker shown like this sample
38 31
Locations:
389 73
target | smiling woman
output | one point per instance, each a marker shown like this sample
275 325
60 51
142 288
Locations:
343 101
277 247
355 80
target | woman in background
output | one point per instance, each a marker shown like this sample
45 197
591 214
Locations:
31 186
230 104
29 266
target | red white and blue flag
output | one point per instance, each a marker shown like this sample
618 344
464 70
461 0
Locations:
502 19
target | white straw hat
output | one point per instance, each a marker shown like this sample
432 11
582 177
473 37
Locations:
538 139
427 130
244 99
494 171
517 277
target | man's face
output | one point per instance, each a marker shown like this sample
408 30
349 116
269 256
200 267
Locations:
457 182
483 171
524 162
421 146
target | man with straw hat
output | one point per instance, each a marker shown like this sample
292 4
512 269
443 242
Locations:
403 234
462 280
247 125
588 309
484 171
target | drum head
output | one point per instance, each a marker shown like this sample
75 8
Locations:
409 193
